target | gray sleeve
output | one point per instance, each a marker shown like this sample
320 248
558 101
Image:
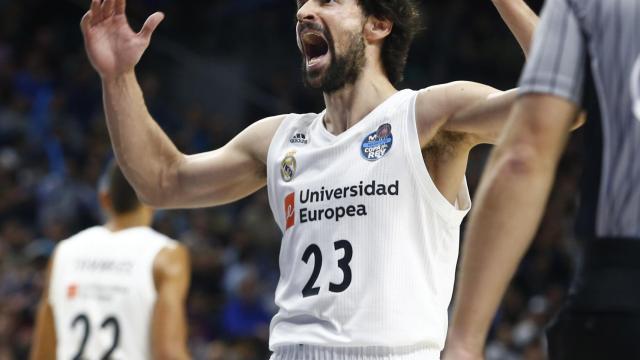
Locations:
556 65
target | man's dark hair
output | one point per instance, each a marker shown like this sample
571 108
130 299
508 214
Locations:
123 197
407 22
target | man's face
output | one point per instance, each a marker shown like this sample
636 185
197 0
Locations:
329 35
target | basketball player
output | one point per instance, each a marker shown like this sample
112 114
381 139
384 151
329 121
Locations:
369 194
116 291
601 319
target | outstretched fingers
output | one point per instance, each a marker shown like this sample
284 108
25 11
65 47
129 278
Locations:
107 8
96 12
85 23
150 25
119 7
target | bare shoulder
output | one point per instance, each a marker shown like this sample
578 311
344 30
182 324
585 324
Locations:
437 104
268 125
257 137
171 261
444 99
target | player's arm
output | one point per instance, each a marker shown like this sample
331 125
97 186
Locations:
171 274
482 110
475 110
161 175
44 339
516 184
478 111
520 19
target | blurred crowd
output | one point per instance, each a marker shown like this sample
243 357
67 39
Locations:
54 145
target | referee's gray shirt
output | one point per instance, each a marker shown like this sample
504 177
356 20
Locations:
609 30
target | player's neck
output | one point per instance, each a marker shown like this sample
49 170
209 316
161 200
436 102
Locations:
349 105
127 221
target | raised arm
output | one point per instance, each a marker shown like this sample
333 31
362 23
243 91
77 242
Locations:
485 115
479 111
161 175
520 19
171 275
476 110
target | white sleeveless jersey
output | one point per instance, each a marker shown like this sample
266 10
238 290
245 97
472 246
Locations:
102 293
369 244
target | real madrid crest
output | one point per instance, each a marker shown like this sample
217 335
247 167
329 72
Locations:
377 144
288 166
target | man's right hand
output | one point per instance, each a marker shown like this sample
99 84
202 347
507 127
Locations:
162 175
112 46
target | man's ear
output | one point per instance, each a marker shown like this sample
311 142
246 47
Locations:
376 30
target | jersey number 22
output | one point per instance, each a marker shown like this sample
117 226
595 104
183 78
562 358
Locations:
108 322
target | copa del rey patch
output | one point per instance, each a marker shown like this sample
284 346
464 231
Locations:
377 144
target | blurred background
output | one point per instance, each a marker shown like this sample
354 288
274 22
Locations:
213 68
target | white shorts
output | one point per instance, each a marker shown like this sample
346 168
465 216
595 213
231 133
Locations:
309 352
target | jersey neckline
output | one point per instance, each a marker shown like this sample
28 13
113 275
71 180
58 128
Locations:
319 121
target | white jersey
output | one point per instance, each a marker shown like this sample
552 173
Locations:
102 293
369 244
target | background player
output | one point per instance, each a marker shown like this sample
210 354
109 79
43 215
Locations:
355 52
115 291
600 319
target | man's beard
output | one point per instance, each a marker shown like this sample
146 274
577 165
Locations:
343 69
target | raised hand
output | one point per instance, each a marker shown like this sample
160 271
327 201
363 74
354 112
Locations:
112 46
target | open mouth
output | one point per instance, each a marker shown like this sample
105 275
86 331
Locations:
315 48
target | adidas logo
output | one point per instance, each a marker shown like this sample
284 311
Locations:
299 138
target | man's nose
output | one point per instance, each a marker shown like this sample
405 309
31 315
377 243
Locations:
306 12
